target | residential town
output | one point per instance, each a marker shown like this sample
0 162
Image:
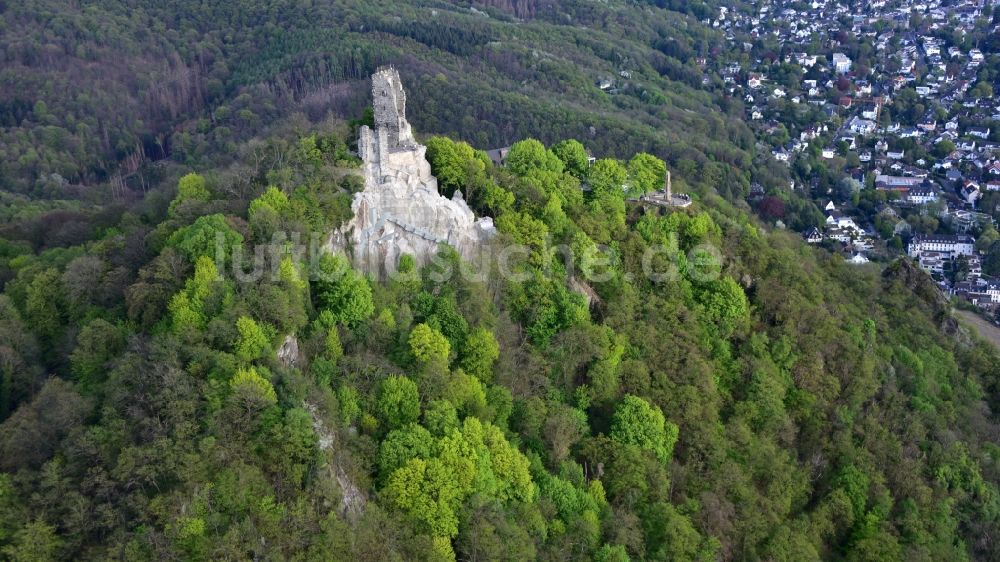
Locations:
882 115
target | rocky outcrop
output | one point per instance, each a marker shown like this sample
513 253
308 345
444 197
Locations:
352 498
905 272
400 210
288 353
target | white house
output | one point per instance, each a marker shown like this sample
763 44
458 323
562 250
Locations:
860 126
841 63
933 261
921 195
979 132
806 60
844 222
813 236
838 234
970 192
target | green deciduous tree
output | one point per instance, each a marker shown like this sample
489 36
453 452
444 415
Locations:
289 274
265 212
187 308
607 177
530 155
190 188
673 536
473 459
428 345
401 445
43 305
944 148
467 394
545 308
34 542
429 493
252 390
342 291
253 341
526 230
292 447
441 417
398 402
332 349
455 164
96 345
350 404
725 305
273 198
611 553
481 350
185 316
209 235
573 156
646 173
637 422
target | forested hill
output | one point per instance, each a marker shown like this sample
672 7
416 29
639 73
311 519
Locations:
757 399
92 91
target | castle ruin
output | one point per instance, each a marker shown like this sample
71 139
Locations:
400 210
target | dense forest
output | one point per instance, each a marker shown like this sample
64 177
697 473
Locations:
93 93
773 403
181 380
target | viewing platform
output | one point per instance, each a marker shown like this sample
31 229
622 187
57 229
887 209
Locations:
665 197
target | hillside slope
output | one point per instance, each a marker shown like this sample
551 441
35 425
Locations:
92 91
771 402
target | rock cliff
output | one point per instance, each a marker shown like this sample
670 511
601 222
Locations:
400 210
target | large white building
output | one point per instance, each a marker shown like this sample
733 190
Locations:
921 195
841 63
953 245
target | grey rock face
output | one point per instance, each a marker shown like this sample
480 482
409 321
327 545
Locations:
400 210
288 353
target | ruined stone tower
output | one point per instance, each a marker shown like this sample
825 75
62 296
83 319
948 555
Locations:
389 103
400 210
